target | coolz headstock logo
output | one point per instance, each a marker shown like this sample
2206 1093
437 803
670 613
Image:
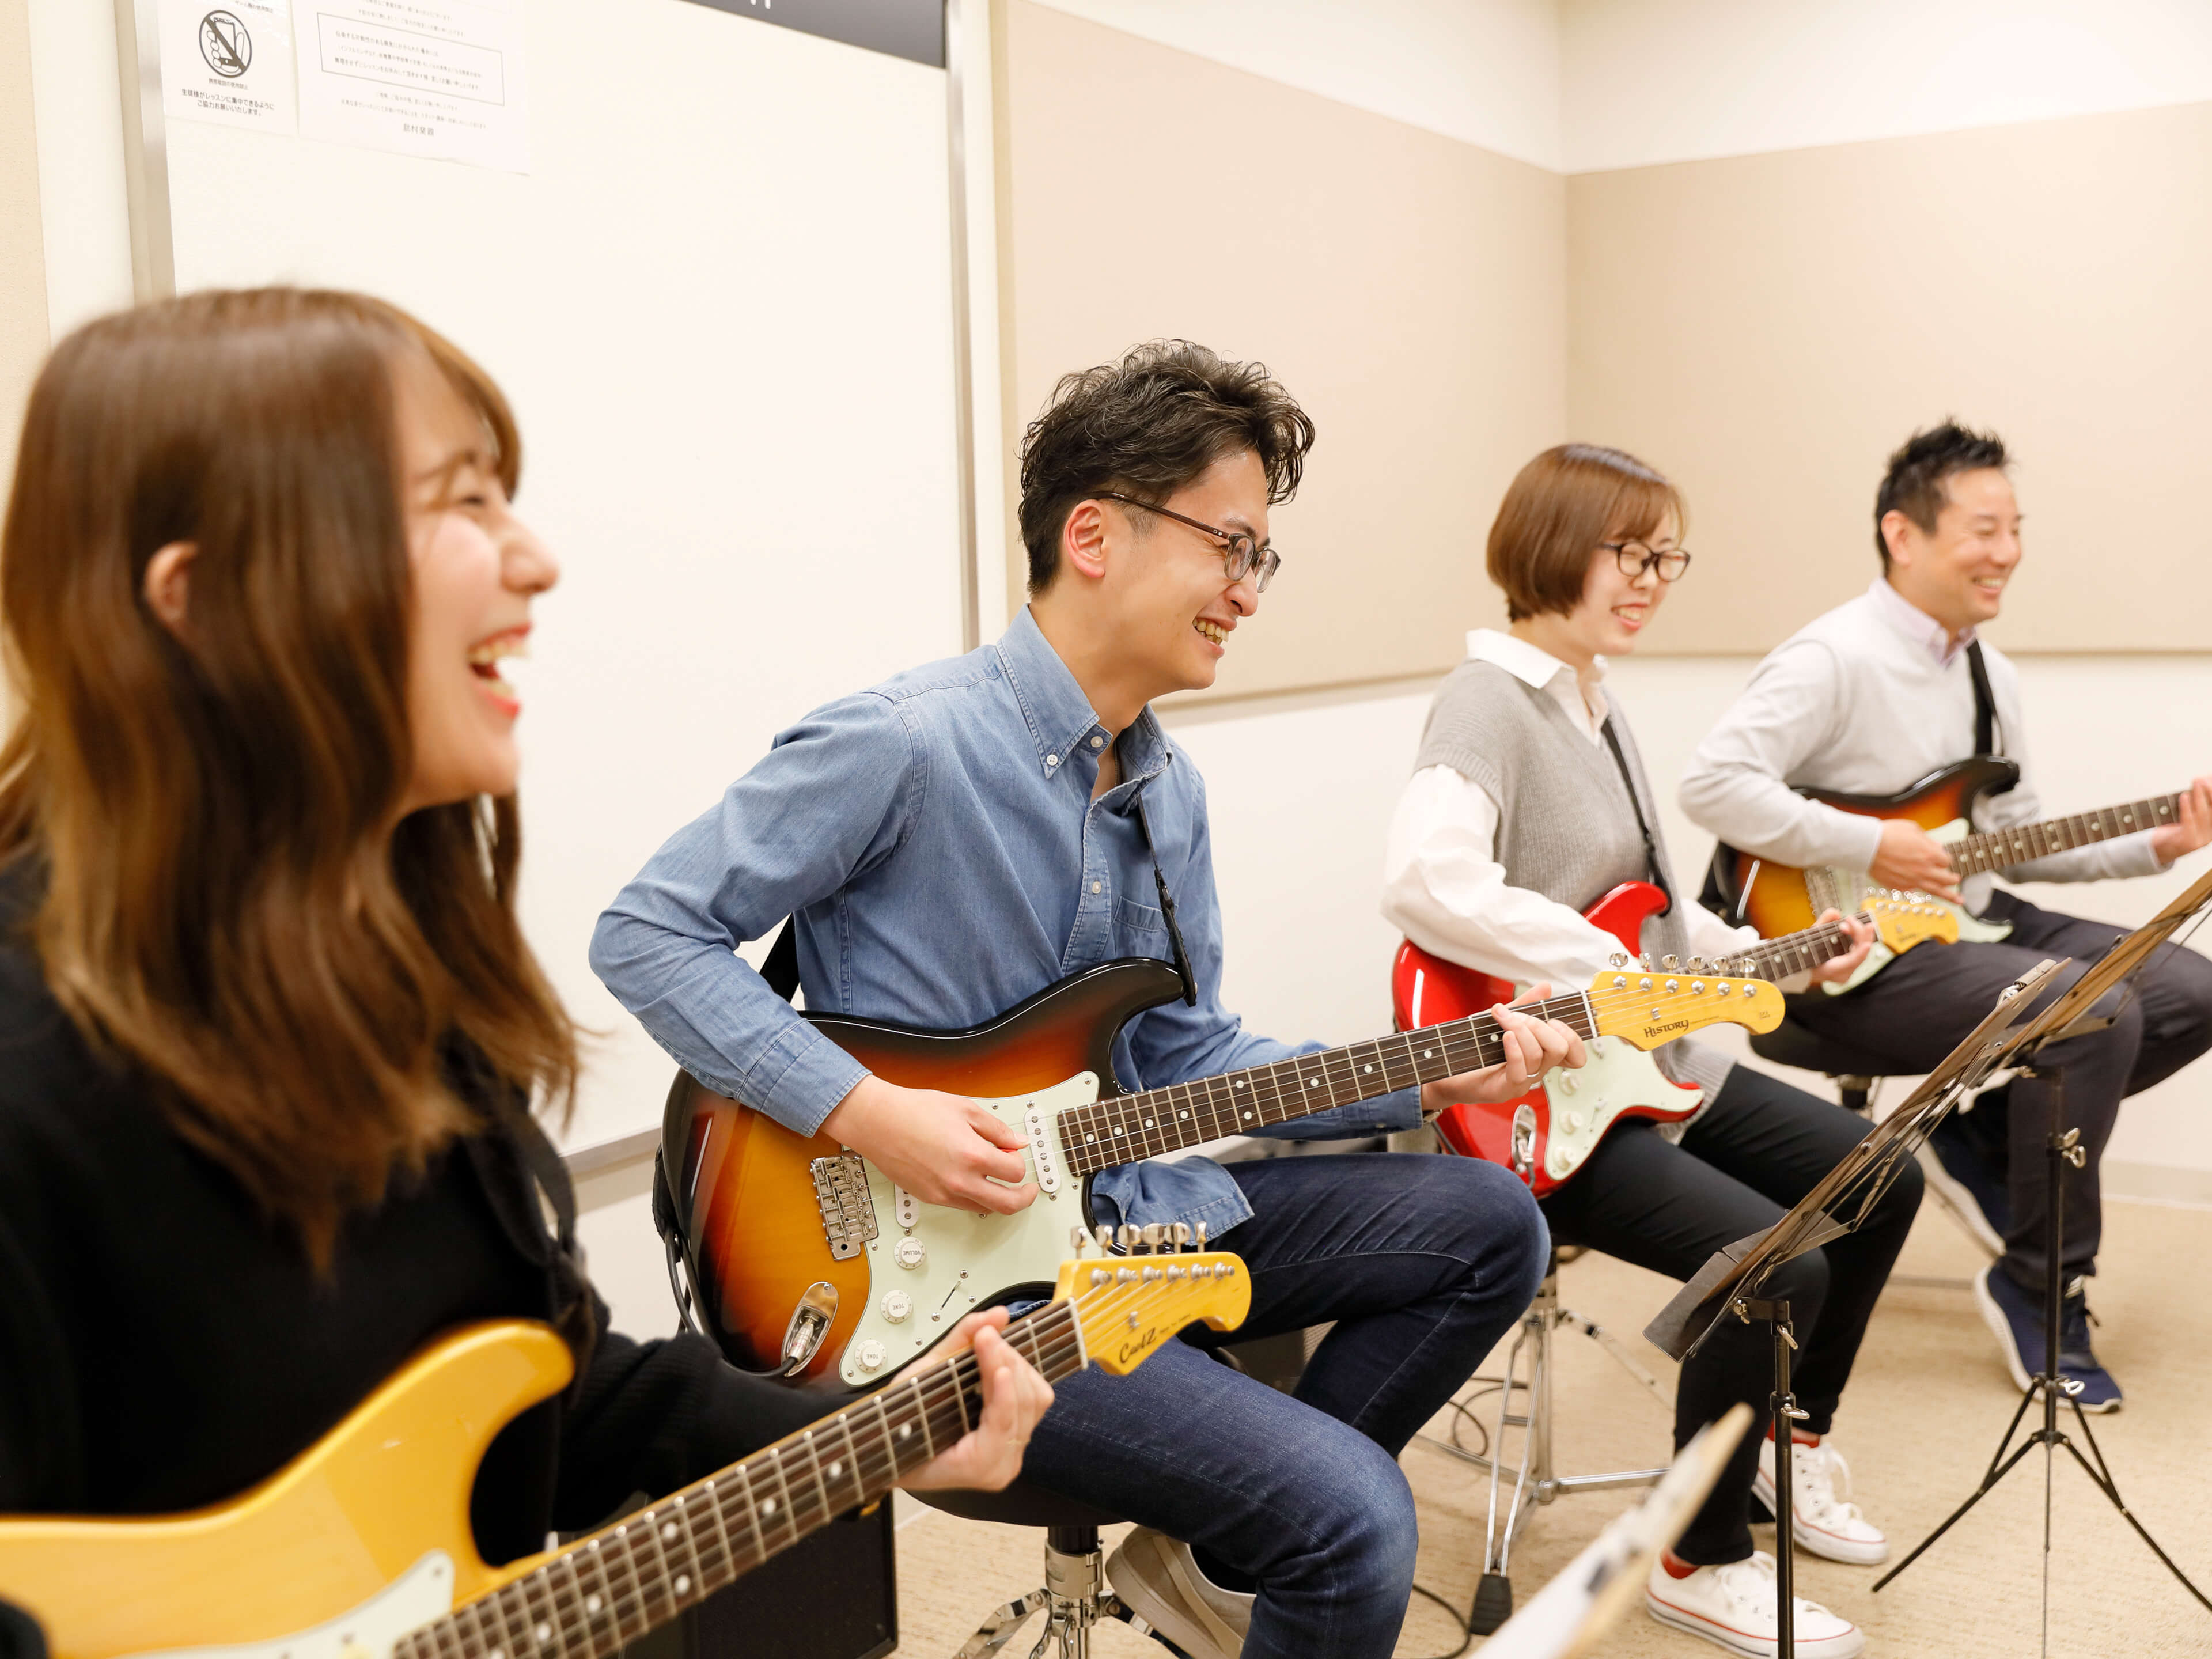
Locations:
1133 1351
225 45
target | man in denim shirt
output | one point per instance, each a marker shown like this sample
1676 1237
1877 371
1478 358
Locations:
960 837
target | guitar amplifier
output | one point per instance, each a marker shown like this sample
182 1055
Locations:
832 1595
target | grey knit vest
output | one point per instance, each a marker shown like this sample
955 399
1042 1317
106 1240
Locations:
1565 826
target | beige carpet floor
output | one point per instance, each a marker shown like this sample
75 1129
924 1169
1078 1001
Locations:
1923 1416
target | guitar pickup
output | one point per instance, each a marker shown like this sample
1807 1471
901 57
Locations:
1042 1149
848 1213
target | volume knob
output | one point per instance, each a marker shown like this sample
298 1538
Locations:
871 1356
897 1306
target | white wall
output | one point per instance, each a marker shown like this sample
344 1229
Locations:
84 211
1486 73
1643 81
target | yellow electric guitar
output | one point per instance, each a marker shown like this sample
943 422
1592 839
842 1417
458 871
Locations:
360 1547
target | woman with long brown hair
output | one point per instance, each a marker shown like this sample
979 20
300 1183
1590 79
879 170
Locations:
270 1037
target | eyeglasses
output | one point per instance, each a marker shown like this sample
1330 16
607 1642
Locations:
1241 555
1634 559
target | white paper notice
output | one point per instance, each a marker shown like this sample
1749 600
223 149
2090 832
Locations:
229 61
441 78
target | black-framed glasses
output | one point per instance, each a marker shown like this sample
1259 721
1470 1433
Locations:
1241 555
1634 558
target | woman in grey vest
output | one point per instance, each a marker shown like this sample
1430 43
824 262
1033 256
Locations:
1528 802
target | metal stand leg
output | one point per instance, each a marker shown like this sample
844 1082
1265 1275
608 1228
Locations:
1785 1416
1534 1477
2062 1148
1074 1601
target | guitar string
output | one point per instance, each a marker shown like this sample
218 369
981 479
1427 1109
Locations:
938 1394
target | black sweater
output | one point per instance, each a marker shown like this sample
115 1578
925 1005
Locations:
164 1345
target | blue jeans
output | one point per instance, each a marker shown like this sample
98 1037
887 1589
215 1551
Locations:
1422 1262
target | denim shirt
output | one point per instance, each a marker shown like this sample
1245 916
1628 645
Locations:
936 840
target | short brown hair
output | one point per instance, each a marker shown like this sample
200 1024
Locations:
222 901
1556 512
1147 426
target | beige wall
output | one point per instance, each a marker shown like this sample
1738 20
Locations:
22 252
1408 288
1766 328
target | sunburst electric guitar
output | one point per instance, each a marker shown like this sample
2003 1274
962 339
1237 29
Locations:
361 1548
1779 898
1546 1135
804 1257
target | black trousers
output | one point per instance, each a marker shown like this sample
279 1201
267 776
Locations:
1760 1147
1916 1011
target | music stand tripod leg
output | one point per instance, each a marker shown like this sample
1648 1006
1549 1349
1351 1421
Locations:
1784 1415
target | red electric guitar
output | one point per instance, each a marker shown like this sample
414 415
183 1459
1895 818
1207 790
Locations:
1546 1135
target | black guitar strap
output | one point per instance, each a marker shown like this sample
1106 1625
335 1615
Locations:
1167 905
1986 705
1651 864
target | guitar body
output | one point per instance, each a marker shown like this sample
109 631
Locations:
1780 898
757 1226
1544 1135
362 1539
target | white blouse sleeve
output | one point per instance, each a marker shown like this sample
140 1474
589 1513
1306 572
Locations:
1444 890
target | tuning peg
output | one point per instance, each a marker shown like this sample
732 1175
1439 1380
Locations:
1201 1234
1182 1231
1155 1237
1128 1237
1644 962
1698 964
1618 959
1669 964
1104 1238
1076 1238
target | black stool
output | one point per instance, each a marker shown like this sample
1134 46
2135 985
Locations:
1792 1044
1074 1597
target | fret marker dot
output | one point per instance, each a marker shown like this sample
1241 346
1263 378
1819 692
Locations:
1248 1117
682 1587
837 1468
544 1632
590 1604
1117 1128
1148 1123
768 1506
496 1652
669 1531
905 1429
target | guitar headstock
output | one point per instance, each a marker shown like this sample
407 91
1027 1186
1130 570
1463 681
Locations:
1904 920
1647 1006
1127 1306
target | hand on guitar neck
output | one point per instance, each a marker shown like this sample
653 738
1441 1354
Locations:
946 1149
2173 840
989 1456
1837 969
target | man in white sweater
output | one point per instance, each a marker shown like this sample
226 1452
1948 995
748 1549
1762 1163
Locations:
1868 699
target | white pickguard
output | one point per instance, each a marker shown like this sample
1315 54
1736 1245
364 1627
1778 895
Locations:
1851 888
1585 1104
422 1592
964 1258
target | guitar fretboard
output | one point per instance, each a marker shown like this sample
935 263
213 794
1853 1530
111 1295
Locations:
611 1589
1127 1127
1793 953
1999 849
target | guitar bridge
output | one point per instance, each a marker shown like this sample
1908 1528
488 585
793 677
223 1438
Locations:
848 1214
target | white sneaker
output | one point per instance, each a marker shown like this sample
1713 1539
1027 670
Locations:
1163 1586
1821 1521
1733 1606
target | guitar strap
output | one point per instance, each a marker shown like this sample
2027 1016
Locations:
575 1314
1986 705
1167 902
1652 864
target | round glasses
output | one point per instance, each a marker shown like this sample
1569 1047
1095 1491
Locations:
1634 558
1241 555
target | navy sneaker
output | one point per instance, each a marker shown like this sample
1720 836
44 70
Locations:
2016 1317
1965 1172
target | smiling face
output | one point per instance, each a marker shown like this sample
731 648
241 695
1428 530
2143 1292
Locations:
475 569
1957 572
1166 600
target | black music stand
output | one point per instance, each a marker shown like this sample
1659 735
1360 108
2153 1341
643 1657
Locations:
2068 1016
1731 1284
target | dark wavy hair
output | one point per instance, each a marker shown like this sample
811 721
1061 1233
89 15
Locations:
1146 425
1913 483
225 903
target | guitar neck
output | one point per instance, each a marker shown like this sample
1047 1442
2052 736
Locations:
1793 953
2001 849
611 1589
1128 1127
